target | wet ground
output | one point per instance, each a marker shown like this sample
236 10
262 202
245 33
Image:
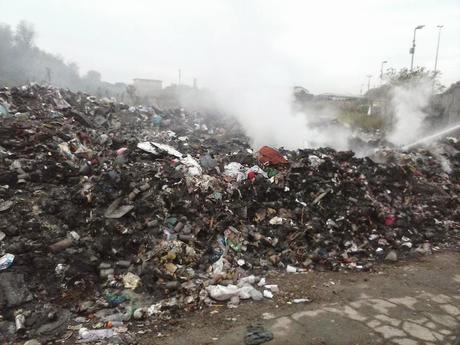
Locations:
411 303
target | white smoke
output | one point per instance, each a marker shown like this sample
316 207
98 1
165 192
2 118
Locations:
409 102
265 111
251 80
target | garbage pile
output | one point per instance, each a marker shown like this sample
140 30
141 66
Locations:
111 214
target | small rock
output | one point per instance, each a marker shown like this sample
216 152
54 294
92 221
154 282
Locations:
234 302
391 256
32 342
172 285
123 263
307 262
256 295
257 335
104 273
13 290
139 314
424 249
61 245
268 316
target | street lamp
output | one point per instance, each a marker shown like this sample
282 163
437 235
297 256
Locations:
412 49
437 48
381 71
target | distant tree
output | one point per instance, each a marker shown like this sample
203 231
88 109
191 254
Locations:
6 35
74 67
405 76
93 77
92 82
25 34
6 39
21 61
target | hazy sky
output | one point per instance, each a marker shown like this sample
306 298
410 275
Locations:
326 46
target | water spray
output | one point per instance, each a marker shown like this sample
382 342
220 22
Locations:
432 136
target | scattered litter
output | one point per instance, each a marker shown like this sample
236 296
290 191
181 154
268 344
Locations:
144 212
268 294
94 335
6 261
291 269
272 288
6 205
301 300
131 281
115 211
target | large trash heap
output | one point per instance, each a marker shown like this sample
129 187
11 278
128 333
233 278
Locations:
111 213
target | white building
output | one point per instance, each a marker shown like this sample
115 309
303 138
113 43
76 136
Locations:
147 87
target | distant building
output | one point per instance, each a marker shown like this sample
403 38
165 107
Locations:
147 87
336 97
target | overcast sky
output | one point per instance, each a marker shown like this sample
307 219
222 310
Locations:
325 46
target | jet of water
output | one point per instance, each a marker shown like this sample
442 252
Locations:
431 137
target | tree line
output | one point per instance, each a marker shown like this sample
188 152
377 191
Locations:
22 62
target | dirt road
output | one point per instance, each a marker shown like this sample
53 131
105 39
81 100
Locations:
410 303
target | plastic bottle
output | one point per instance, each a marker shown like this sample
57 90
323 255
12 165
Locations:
88 335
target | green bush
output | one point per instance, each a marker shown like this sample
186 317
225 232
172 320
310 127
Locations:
359 120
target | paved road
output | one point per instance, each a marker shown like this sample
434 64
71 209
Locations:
415 303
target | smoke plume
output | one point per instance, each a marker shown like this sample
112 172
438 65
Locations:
252 81
409 102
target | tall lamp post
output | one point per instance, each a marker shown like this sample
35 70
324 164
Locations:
437 49
381 71
412 49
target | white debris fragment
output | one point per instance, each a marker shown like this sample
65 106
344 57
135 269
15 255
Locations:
273 288
276 221
268 294
291 269
300 300
261 282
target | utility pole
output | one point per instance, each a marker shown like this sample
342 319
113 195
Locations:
180 77
381 71
368 81
437 49
412 49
